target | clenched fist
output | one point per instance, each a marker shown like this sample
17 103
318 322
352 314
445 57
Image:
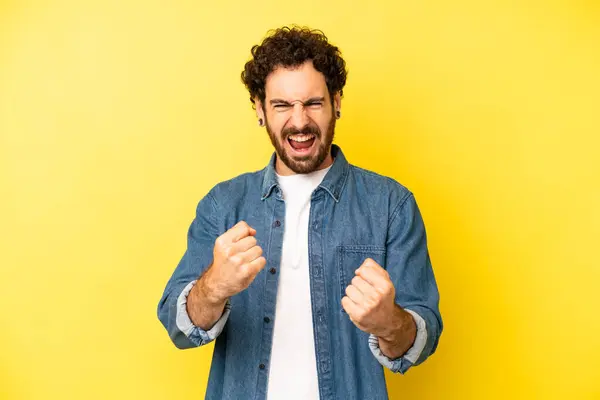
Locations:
369 299
237 259
370 304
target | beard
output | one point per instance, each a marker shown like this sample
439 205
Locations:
309 163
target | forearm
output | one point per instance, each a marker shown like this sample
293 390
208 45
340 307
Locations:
203 308
401 336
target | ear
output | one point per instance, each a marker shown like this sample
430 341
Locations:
260 111
337 102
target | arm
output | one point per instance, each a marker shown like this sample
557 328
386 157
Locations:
203 308
194 310
172 308
401 335
398 305
410 270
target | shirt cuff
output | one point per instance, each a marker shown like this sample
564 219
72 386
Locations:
198 336
403 363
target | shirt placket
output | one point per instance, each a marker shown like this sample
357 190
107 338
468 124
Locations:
271 272
318 294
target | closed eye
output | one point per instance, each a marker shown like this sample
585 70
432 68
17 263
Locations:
282 107
314 104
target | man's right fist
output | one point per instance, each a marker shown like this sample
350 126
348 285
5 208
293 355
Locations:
237 259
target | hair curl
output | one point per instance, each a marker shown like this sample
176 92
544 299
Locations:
291 47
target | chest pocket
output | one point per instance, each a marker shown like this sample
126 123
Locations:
350 257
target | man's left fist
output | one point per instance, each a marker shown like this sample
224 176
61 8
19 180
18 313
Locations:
369 299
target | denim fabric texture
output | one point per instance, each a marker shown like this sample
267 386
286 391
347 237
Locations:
354 214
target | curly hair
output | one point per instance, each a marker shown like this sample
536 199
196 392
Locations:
291 47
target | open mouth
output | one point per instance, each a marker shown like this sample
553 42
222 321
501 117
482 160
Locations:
301 143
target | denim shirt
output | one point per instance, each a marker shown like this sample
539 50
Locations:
354 214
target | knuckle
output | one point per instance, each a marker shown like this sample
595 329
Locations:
360 316
245 272
254 271
346 303
228 252
245 226
235 259
376 299
387 288
348 290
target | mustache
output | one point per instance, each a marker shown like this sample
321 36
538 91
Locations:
307 129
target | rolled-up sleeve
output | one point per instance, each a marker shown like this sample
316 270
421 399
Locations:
197 335
202 233
409 266
402 364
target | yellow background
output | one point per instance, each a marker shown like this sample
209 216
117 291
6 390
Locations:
116 117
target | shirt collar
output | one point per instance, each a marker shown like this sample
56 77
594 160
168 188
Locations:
333 183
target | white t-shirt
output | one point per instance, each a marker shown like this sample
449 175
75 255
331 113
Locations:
293 369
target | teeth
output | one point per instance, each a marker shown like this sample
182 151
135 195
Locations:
301 137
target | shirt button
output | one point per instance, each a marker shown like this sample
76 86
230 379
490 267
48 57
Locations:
261 366
272 270
277 224
267 319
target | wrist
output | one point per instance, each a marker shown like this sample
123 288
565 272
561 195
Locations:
402 325
207 290
401 337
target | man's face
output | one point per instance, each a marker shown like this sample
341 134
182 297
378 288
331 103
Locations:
300 118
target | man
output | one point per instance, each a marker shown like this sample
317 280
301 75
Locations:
311 274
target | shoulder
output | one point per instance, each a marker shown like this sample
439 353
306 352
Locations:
379 185
237 188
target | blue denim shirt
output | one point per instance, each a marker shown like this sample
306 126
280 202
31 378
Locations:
354 214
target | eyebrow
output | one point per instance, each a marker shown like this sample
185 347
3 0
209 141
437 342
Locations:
287 103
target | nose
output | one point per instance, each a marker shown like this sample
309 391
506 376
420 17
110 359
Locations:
299 118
